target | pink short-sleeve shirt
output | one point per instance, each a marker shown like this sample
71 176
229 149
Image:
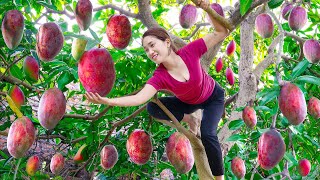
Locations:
200 85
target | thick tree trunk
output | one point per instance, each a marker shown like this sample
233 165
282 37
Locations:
247 80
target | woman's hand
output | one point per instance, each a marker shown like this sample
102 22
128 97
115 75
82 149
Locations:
96 98
203 4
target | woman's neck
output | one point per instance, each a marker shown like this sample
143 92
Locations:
171 61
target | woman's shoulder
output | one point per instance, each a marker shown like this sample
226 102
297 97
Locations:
194 48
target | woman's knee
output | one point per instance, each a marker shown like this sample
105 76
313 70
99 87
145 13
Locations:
208 132
152 108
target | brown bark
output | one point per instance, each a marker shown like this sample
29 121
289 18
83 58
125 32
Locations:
247 80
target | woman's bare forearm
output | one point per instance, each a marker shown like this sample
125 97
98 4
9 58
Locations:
125 101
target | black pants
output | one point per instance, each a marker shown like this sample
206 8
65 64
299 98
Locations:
212 111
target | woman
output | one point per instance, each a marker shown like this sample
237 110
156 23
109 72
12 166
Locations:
181 73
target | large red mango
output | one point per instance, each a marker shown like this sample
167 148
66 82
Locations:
57 163
119 31
217 7
108 157
52 107
238 167
264 25
49 41
249 116
292 103
139 147
304 167
20 137
314 107
12 28
179 152
297 18
311 50
286 9
271 149
96 71
188 16
83 14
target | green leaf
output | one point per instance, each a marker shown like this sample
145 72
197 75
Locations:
3 55
309 79
274 3
16 72
63 80
50 6
236 124
262 108
5 125
255 135
94 35
55 63
17 2
269 97
75 28
236 137
69 34
314 143
63 26
58 140
300 68
244 6
4 155
96 17
288 156
253 155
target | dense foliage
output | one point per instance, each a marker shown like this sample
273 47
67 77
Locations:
133 69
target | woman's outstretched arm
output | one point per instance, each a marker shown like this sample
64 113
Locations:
219 33
141 97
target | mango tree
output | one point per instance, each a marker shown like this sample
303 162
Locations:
52 52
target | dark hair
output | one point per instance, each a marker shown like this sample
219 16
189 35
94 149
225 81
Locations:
160 34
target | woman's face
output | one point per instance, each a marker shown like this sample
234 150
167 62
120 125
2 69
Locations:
156 49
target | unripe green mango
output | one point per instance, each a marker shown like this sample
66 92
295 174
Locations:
78 48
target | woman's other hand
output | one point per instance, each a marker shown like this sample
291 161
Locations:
96 98
203 4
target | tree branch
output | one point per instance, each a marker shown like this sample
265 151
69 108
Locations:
4 133
3 93
4 61
17 81
51 137
301 42
88 117
201 160
274 119
78 139
267 60
195 30
299 39
281 35
106 139
64 12
236 17
70 16
122 11
14 62
223 21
